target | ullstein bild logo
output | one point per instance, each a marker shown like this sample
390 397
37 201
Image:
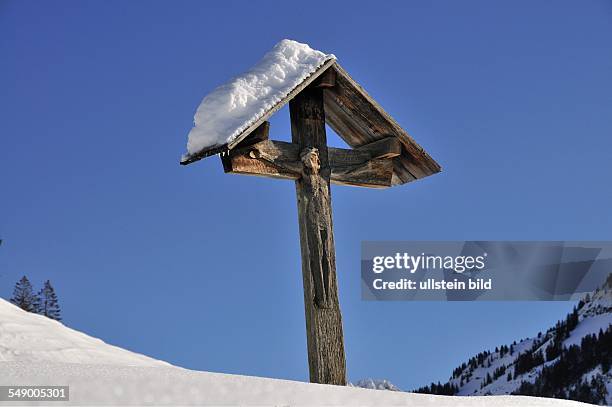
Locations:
482 270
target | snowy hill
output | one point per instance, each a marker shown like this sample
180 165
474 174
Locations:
27 337
35 350
543 364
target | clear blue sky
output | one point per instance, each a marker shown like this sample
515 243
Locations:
202 269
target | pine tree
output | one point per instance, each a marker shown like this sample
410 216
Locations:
23 296
48 305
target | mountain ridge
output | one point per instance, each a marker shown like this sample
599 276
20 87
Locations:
529 366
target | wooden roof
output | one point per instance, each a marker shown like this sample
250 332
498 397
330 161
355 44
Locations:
356 118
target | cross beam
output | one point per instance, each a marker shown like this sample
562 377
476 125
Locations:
368 166
313 165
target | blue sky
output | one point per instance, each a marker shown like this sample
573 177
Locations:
202 269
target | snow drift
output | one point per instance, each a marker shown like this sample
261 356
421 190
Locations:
33 338
35 350
375 384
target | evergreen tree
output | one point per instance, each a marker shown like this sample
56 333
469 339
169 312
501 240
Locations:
563 378
47 302
23 296
598 389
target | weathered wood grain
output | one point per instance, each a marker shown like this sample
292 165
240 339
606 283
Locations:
359 120
325 339
259 134
278 159
326 80
387 147
377 173
274 159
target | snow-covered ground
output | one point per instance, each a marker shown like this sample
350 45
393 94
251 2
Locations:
596 314
103 384
35 350
32 338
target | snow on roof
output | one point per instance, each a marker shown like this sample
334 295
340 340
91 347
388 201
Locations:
231 108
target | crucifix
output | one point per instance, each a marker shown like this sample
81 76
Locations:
383 155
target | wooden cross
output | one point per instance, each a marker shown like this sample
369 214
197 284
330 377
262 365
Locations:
383 155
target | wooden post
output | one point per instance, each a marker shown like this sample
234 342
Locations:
325 339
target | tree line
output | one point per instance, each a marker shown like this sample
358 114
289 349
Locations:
564 369
564 378
44 302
